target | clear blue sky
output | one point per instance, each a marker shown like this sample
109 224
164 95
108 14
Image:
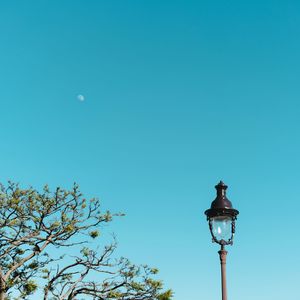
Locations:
178 95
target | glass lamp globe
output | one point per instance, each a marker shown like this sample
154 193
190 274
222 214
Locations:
221 227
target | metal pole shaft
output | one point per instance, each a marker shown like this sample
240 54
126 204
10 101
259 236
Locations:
223 254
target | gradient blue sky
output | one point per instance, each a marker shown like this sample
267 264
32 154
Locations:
179 94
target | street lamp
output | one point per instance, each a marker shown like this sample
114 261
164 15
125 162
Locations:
221 219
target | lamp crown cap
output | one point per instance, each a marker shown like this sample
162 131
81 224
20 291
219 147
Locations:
221 186
221 200
221 205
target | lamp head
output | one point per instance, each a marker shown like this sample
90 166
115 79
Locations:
221 217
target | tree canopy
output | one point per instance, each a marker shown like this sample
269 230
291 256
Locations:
33 224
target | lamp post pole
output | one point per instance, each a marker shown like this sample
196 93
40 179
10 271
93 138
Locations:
223 254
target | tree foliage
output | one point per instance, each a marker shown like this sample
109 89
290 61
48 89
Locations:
33 223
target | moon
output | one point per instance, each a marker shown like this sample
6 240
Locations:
80 97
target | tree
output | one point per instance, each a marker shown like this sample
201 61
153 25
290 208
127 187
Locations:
33 223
